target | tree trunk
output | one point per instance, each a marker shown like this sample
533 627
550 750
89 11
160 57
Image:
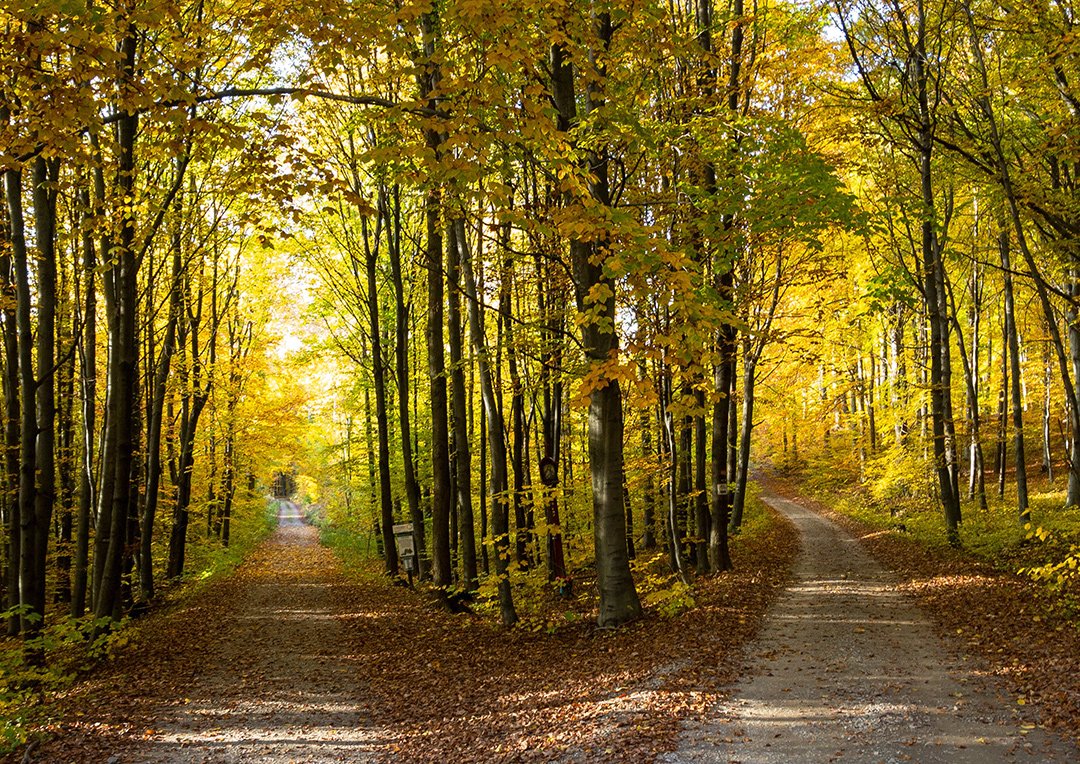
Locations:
685 451
675 551
157 411
1002 454
701 487
392 216
197 386
517 410
500 510
743 469
649 494
1013 347
618 598
940 389
378 373
724 282
1048 380
122 302
485 560
552 311
65 416
463 455
428 77
373 470
45 175
628 510
24 509
12 413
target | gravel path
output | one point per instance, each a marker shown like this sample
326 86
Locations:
846 669
277 685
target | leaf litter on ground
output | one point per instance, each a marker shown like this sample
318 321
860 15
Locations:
438 687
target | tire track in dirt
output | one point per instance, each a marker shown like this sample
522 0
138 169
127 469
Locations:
847 668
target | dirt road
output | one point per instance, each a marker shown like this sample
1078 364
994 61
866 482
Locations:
847 669
295 658
278 683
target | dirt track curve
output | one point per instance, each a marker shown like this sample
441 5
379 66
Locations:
847 669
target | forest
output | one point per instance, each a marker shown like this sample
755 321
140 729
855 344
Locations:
567 286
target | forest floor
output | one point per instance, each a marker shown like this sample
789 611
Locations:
295 658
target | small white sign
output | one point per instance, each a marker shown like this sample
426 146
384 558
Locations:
406 542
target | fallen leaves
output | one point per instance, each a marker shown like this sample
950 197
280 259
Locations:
434 687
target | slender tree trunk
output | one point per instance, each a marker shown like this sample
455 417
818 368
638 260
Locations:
1048 380
743 470
391 205
1013 348
685 451
428 77
66 464
977 477
628 509
940 389
733 426
486 562
701 486
197 386
649 494
500 511
373 482
463 458
724 282
12 412
677 565
871 404
228 475
157 412
36 534
122 301
378 373
1002 455
971 382
552 311
23 513
517 410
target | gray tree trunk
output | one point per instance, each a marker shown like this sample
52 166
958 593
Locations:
1013 348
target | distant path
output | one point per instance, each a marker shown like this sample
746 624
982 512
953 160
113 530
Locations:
847 669
277 684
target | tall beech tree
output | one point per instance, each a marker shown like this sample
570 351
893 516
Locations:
594 290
